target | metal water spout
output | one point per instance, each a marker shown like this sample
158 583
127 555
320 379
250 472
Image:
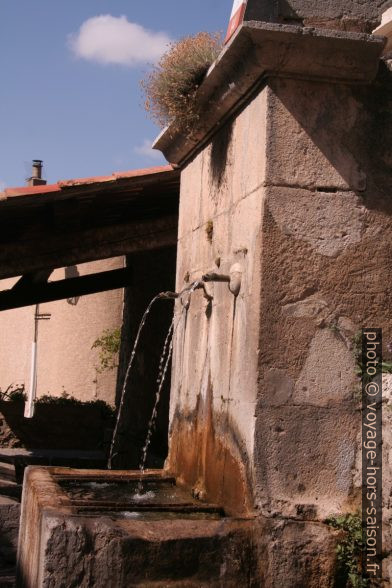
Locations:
186 293
233 279
188 290
214 277
168 295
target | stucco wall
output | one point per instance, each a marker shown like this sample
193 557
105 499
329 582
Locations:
65 361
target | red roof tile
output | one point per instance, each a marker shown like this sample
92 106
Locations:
64 184
27 190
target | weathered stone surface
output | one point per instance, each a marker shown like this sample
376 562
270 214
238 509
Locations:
215 383
301 554
261 49
316 143
279 387
313 233
9 527
333 14
328 222
62 548
304 148
305 455
387 474
328 376
316 294
310 306
81 553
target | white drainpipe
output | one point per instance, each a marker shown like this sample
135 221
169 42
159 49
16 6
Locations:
31 393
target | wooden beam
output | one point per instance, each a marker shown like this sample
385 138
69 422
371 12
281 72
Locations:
27 293
54 249
27 280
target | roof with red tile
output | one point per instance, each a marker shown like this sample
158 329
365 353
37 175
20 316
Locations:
138 175
81 220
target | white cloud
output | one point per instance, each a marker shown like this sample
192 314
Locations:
109 39
146 150
2 186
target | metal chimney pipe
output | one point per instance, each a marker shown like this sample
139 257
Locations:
36 174
37 169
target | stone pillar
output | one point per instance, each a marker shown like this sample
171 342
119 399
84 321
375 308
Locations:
326 262
265 401
214 391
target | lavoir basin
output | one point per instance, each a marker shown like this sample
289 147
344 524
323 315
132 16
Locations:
115 529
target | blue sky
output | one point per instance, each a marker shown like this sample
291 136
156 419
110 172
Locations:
75 102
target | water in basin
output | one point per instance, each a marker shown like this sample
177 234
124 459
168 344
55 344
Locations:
147 515
125 491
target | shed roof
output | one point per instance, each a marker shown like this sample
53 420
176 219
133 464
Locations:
85 219
136 176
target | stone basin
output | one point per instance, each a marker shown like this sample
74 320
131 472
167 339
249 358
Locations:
96 529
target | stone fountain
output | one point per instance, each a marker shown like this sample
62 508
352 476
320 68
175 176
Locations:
281 182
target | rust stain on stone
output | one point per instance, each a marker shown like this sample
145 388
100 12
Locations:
206 457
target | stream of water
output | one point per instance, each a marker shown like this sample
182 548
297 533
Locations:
127 374
163 366
162 372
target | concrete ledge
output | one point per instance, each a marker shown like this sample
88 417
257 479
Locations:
259 50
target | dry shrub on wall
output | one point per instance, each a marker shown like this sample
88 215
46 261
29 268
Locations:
170 88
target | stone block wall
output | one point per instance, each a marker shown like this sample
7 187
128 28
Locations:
214 389
265 406
349 15
326 269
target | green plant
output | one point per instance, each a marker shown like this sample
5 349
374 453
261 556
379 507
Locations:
68 400
13 393
109 346
349 549
357 352
385 367
334 327
170 88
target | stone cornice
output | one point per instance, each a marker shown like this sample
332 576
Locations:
259 50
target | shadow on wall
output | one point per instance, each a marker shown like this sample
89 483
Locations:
273 10
220 152
72 272
351 125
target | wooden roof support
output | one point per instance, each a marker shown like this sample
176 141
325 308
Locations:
26 292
